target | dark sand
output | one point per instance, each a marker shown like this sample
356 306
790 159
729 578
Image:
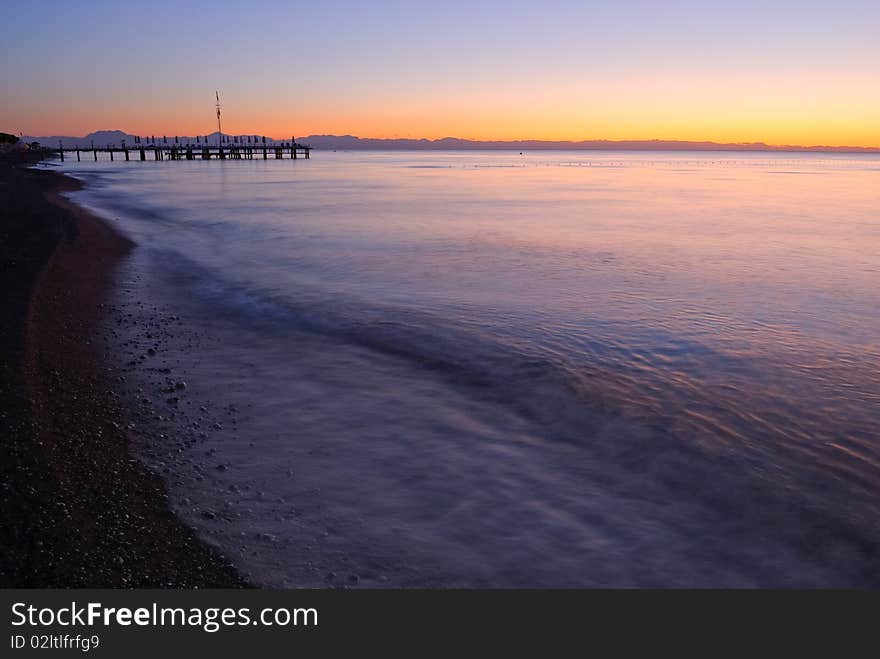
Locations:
77 509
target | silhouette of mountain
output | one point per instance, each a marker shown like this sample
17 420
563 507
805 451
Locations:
350 142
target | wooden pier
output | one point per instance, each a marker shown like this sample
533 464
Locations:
189 151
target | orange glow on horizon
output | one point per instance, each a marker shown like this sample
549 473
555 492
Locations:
820 109
793 116
744 132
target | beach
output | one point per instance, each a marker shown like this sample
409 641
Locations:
78 509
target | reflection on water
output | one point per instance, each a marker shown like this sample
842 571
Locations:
540 369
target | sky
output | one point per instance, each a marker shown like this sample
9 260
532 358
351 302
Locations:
784 72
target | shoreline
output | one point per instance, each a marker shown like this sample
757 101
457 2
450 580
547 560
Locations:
80 510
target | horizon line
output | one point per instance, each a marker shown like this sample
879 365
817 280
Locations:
623 144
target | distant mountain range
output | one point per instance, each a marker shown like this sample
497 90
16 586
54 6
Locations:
350 142
454 143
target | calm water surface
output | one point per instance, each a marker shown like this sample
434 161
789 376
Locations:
494 369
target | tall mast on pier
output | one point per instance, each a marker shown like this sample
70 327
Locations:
220 132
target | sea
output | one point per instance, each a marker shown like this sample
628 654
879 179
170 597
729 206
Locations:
501 369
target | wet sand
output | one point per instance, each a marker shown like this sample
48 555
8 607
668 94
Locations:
78 509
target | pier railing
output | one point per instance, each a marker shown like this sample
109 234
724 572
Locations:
276 151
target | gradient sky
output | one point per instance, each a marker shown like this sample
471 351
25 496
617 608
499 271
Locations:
784 72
